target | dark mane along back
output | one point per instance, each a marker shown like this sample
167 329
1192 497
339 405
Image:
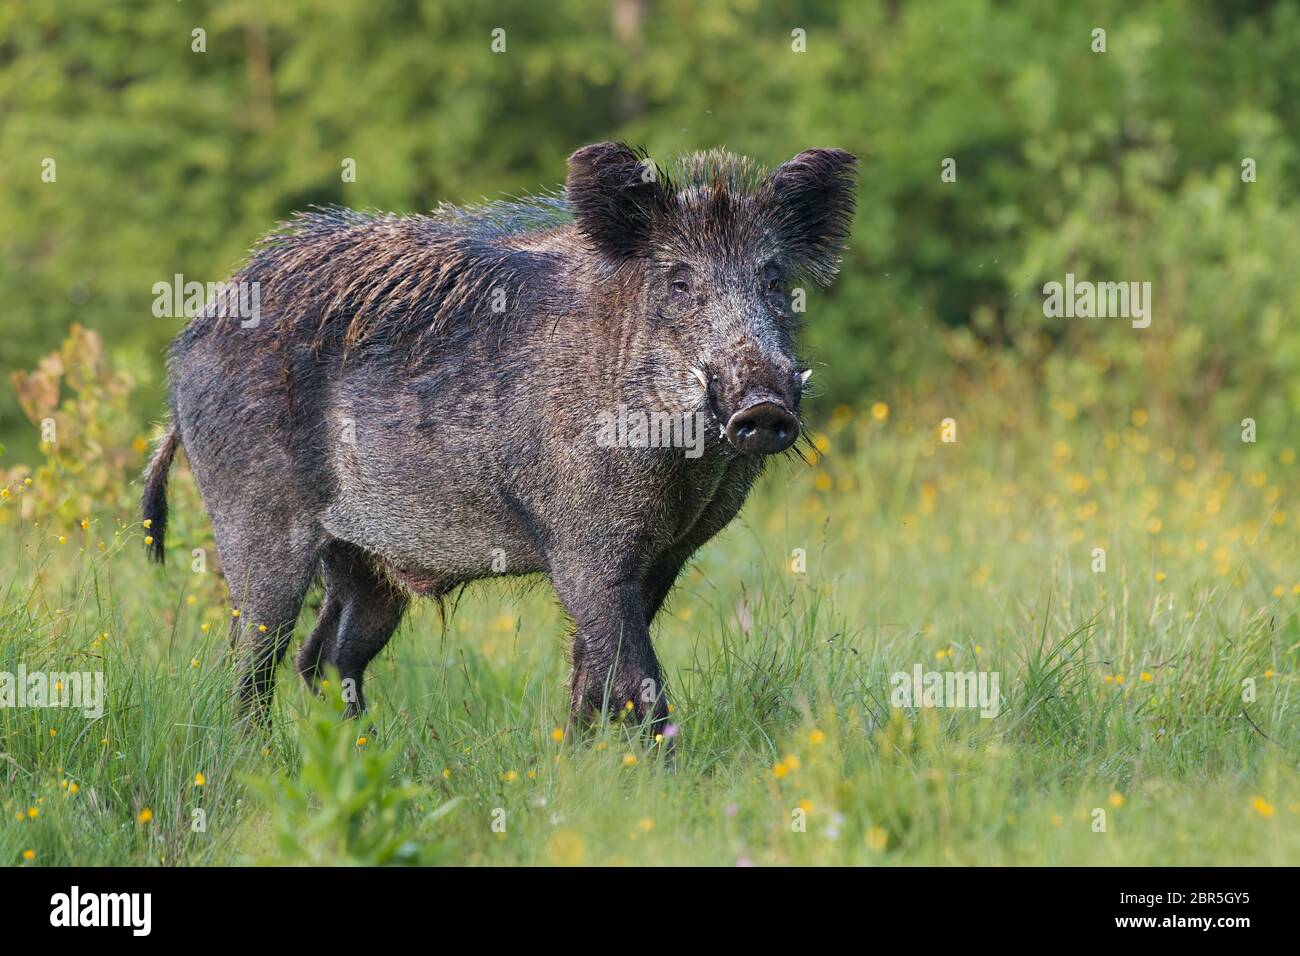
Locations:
336 277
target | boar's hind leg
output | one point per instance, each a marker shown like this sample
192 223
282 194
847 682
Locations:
613 661
267 588
370 609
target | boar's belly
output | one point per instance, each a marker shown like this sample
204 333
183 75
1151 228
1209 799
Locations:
427 540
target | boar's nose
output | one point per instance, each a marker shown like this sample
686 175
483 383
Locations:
763 425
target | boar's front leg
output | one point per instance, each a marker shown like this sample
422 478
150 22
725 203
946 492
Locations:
658 582
613 661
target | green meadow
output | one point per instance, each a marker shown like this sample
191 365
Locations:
1146 709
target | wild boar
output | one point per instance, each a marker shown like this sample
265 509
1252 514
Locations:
419 404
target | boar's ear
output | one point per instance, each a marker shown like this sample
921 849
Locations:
616 196
814 197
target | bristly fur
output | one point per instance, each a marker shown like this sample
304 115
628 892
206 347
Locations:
342 277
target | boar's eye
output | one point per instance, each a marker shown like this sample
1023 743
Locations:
680 282
773 280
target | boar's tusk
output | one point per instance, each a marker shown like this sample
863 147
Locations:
701 376
804 376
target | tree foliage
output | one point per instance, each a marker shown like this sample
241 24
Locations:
1123 165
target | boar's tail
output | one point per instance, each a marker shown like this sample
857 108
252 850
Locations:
153 503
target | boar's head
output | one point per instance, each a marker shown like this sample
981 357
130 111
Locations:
715 250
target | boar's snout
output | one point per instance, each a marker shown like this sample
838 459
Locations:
763 425
755 401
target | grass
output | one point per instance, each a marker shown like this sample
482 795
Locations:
1148 712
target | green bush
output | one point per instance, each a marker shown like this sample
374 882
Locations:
342 807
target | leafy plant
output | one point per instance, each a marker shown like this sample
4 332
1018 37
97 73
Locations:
76 403
342 807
